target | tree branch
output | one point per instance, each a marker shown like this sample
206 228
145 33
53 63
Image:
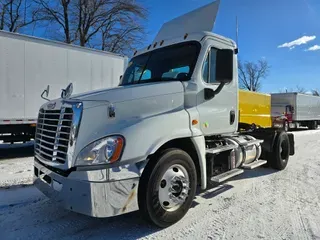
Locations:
251 74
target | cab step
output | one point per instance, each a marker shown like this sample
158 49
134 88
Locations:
226 175
254 164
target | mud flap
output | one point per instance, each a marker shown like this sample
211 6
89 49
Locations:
291 141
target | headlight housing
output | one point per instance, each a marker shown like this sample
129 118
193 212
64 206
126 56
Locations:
103 151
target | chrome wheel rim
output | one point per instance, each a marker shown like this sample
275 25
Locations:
174 188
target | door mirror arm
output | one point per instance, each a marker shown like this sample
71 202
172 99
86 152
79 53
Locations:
209 93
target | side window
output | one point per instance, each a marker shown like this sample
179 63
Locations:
209 67
205 70
213 57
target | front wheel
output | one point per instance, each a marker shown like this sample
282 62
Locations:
167 187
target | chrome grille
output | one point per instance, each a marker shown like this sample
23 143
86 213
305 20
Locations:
53 134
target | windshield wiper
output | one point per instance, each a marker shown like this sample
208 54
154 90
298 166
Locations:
155 79
159 79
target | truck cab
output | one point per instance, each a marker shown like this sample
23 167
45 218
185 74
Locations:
170 127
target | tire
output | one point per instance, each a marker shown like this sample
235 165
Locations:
285 126
314 125
170 164
279 158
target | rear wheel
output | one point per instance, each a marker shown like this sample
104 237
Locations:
279 158
167 187
313 125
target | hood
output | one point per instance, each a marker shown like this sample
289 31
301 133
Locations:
135 107
130 92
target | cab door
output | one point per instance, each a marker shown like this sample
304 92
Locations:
218 115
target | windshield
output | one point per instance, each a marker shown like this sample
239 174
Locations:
173 63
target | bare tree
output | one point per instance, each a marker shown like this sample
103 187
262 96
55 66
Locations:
122 39
87 22
251 74
298 89
3 10
58 12
124 32
16 14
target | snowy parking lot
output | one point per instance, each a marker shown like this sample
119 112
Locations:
260 204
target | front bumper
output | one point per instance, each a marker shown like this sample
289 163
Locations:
279 124
92 198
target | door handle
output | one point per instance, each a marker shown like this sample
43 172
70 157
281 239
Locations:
232 117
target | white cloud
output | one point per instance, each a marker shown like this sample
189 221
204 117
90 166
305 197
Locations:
313 48
297 42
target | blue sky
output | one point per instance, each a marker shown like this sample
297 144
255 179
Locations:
263 27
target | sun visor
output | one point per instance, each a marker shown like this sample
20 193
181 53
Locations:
201 19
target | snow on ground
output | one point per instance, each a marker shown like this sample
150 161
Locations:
14 173
17 171
260 204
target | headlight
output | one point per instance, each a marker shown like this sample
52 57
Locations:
106 150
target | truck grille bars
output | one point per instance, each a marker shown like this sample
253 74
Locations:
53 134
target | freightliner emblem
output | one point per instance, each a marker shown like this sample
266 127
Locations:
51 105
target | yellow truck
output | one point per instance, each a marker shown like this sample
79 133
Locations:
255 110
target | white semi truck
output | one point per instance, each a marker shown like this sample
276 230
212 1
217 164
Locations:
296 109
28 65
167 129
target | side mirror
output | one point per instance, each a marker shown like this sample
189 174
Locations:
120 77
46 92
208 93
224 65
66 93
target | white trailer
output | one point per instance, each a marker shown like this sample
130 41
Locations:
28 65
297 109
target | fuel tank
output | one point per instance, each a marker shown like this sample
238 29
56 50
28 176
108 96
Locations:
248 149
